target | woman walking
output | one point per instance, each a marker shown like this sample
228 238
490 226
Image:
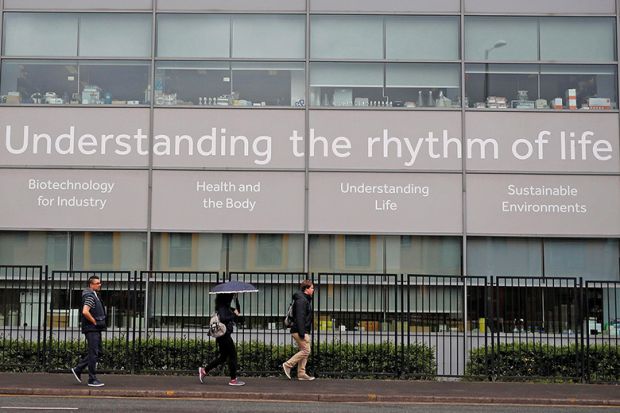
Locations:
225 343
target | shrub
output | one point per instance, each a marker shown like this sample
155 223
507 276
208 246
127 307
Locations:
537 361
255 358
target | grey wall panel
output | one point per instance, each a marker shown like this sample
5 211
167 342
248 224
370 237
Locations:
71 5
57 136
80 200
386 6
232 5
544 142
385 203
220 201
541 7
539 205
203 138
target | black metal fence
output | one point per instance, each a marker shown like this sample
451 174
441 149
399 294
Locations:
468 324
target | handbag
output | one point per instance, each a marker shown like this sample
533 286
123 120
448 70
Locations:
216 327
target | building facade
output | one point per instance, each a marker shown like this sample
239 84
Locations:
443 137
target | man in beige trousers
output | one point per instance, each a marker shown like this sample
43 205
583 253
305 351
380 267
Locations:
300 331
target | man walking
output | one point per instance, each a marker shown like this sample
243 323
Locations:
93 320
300 331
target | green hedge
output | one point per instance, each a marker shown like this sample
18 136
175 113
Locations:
536 361
182 355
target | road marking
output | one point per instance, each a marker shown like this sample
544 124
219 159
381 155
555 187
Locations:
36 408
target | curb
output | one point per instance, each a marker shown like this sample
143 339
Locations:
314 397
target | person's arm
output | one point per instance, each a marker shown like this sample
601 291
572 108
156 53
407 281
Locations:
86 313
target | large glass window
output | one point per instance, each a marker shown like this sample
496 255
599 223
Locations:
193 35
423 84
422 38
35 248
531 86
40 34
226 84
119 82
424 255
39 81
268 36
563 39
488 256
501 38
192 83
57 34
268 84
592 259
58 82
109 251
385 85
573 39
115 35
259 252
346 37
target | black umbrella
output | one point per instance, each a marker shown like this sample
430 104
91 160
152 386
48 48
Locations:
232 287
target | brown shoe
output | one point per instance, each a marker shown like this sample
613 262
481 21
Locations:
305 377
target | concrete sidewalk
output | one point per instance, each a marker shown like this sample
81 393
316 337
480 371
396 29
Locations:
322 390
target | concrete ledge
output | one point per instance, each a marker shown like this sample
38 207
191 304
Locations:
316 397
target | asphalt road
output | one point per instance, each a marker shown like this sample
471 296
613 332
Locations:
118 405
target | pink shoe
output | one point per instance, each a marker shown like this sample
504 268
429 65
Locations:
236 382
202 373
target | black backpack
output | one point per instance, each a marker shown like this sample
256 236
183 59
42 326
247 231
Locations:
288 318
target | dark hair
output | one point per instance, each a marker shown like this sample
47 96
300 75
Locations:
305 284
223 300
92 278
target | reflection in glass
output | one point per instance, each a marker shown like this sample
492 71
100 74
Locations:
35 248
39 82
268 84
109 251
218 84
117 83
56 82
529 86
435 85
191 83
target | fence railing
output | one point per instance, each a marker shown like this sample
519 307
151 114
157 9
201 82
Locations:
358 319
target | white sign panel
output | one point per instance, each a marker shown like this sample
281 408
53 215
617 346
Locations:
212 138
543 205
73 199
228 201
404 140
116 137
550 142
399 203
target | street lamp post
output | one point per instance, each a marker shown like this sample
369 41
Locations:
498 44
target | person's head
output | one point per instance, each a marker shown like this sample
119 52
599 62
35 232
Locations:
223 300
94 283
307 287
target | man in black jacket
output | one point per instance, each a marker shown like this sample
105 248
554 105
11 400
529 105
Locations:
93 320
300 331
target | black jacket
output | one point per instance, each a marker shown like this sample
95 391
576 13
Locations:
223 306
98 313
302 314
227 317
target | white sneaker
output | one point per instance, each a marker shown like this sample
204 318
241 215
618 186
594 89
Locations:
287 370
77 376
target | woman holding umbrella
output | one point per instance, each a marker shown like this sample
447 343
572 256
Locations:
223 306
